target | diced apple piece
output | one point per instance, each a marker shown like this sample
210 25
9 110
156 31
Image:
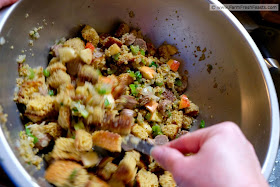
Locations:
147 72
86 55
66 54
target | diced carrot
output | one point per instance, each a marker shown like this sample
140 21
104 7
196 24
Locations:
90 46
152 106
184 102
173 64
147 72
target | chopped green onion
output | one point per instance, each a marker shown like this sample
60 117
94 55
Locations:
103 89
142 52
46 73
51 93
116 57
106 102
169 113
84 113
74 110
202 124
73 137
159 83
138 76
28 133
78 109
134 49
111 71
133 89
79 125
73 175
178 82
99 72
153 64
131 73
35 139
148 116
31 73
143 61
156 130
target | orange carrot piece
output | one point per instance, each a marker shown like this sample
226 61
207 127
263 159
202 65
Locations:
184 102
90 46
173 64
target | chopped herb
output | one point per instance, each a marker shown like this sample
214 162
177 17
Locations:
46 73
169 113
134 49
79 125
35 139
116 57
78 109
133 89
103 89
61 104
106 102
202 124
28 133
84 113
178 82
74 110
73 175
148 116
138 76
143 61
142 52
131 73
156 130
99 72
51 93
153 64
73 137
159 83
111 71
31 73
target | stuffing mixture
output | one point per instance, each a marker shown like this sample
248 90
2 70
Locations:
95 90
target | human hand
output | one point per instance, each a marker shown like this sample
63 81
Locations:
223 157
4 3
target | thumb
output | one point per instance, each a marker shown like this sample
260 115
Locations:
167 157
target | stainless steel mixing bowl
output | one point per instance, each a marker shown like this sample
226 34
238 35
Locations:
238 88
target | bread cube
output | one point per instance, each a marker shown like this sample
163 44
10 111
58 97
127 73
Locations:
64 148
146 178
90 159
166 180
94 181
67 54
90 35
66 173
83 140
139 131
107 140
170 131
75 43
58 78
112 50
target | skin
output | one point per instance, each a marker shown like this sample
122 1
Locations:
4 3
223 157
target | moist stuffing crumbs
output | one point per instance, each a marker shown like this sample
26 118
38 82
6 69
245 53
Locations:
96 90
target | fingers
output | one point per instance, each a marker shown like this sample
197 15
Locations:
4 3
167 157
192 142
